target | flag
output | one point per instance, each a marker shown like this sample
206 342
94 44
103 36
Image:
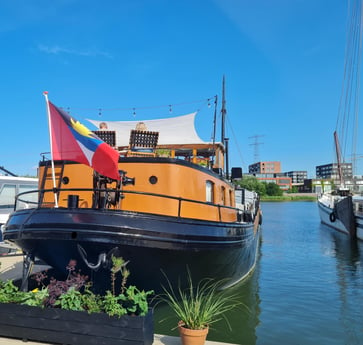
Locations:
75 142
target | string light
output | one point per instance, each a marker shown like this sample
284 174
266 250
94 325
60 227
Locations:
134 109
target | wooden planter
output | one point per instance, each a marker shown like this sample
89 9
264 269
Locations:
73 327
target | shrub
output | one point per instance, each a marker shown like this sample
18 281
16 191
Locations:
74 293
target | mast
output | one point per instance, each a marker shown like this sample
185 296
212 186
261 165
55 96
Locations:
224 140
339 158
223 110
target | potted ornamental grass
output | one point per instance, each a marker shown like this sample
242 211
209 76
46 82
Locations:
198 306
68 312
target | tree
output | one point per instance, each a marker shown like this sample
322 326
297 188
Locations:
272 189
253 184
293 189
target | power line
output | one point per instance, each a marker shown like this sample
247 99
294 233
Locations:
256 144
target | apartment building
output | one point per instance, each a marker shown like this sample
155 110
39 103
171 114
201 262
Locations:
265 168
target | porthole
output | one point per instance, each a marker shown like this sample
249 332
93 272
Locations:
153 179
65 180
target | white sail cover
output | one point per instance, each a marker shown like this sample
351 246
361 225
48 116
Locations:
173 130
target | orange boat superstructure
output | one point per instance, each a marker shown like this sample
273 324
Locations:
159 187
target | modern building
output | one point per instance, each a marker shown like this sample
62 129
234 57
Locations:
317 186
330 171
297 177
264 168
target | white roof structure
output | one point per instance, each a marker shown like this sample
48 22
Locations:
173 130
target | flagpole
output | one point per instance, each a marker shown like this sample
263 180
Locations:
45 93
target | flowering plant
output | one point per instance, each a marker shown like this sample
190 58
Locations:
74 293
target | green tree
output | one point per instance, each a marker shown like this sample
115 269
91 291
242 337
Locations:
293 189
253 184
272 189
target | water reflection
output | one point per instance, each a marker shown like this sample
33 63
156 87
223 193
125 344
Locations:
307 287
242 320
349 275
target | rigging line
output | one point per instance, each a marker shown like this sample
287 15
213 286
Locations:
351 77
205 100
236 142
342 114
355 81
349 82
356 115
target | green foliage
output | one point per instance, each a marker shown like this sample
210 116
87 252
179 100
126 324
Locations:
273 189
70 300
135 301
163 152
112 306
35 298
9 293
91 302
199 306
119 265
262 188
75 294
289 198
253 184
293 189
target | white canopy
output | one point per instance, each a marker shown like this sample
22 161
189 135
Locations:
173 130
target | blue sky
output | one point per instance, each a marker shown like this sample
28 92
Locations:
282 59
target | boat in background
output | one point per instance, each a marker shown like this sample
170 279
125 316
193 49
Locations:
10 186
342 208
343 212
173 209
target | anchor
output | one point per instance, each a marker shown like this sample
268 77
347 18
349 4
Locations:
103 259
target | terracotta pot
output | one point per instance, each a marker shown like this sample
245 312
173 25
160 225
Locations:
192 336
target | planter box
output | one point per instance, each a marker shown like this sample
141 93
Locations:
54 325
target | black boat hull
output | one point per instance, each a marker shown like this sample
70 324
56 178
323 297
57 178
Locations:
155 246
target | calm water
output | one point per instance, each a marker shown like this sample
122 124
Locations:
306 289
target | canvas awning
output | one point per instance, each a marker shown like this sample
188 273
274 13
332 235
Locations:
175 130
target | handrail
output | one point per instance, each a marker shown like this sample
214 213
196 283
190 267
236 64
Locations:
180 200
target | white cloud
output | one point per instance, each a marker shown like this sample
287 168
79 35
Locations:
57 50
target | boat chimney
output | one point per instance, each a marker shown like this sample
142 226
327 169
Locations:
72 201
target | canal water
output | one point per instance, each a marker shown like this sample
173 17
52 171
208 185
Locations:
307 287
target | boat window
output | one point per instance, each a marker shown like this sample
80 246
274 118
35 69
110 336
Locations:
223 195
209 191
31 197
7 194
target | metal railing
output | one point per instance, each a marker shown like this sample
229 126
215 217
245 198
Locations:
21 197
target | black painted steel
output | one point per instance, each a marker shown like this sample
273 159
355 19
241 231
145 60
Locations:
152 244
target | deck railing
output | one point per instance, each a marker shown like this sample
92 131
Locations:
217 212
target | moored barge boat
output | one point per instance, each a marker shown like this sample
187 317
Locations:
172 209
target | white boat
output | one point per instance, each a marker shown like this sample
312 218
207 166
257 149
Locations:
342 208
10 186
343 213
